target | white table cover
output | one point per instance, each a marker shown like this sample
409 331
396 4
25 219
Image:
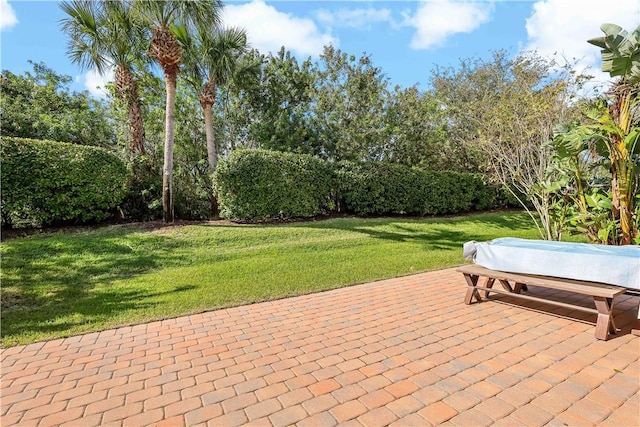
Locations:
614 265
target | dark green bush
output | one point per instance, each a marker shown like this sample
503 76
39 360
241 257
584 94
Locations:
191 198
377 188
143 197
382 188
48 183
260 184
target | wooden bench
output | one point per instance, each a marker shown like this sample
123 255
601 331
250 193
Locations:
514 283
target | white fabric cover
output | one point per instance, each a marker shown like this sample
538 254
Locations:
614 265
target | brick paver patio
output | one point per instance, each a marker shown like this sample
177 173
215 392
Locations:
405 351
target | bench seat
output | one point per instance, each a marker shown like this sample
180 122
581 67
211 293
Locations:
514 283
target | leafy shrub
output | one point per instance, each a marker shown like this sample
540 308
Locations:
47 183
191 194
383 188
143 197
377 188
261 184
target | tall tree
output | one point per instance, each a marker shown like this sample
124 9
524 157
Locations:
279 101
236 118
417 131
40 105
350 99
212 57
502 113
104 35
163 17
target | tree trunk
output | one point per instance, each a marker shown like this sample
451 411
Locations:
212 151
212 154
167 169
127 88
136 126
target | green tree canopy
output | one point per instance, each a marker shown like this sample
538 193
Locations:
41 105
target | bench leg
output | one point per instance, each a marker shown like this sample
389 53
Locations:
505 284
635 327
488 284
472 292
519 287
604 324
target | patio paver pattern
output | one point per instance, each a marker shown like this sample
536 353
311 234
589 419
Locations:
405 351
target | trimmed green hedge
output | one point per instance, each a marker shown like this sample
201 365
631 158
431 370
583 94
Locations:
259 184
47 182
383 188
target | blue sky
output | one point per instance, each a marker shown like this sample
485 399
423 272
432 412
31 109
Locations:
407 39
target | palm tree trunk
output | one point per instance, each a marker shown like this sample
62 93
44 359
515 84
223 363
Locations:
127 88
136 127
212 153
167 170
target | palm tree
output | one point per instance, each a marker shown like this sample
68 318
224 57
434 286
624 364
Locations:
620 126
103 35
164 17
211 59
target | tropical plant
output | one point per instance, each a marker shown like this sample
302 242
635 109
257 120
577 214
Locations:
163 17
103 35
580 202
617 129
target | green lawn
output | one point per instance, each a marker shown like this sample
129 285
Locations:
61 284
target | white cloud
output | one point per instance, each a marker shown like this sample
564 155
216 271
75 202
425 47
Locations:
96 83
563 27
354 18
7 15
269 29
437 20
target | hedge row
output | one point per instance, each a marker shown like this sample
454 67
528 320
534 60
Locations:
383 188
261 184
258 184
47 182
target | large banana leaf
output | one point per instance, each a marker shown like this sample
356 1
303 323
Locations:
620 52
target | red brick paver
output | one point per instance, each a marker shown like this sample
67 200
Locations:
405 351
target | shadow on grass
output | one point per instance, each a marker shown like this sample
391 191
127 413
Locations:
87 308
49 283
441 234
